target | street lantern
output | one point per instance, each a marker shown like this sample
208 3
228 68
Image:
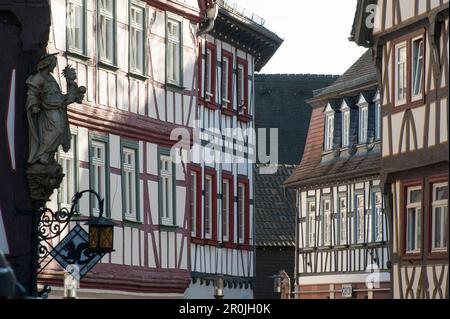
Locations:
101 230
101 237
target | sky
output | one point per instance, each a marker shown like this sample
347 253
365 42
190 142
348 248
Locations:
315 34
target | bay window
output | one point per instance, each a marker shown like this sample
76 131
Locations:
363 123
346 128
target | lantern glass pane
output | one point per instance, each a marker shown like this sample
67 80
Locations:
93 237
106 237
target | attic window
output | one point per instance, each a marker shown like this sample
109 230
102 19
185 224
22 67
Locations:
329 131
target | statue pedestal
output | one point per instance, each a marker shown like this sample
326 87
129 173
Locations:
43 180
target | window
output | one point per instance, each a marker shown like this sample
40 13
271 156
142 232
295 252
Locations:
378 216
243 222
401 73
166 189
99 172
413 219
360 218
242 86
194 203
227 79
208 207
343 220
130 182
417 68
210 73
137 38
311 224
439 217
226 209
174 51
363 121
377 120
76 28
327 223
410 69
346 128
329 132
106 30
69 165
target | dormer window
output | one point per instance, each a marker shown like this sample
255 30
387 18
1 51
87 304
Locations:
345 110
377 107
363 119
329 131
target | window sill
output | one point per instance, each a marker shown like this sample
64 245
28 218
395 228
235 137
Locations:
438 255
132 223
412 256
108 66
137 76
230 245
245 118
208 242
77 56
408 105
210 105
175 87
245 247
168 228
228 112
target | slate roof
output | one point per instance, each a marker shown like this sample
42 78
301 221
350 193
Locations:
312 170
280 101
361 72
275 209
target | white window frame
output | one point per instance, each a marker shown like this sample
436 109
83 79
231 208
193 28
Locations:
104 37
414 68
226 209
209 95
346 128
443 227
360 218
174 50
417 206
401 71
343 220
137 48
166 174
241 212
69 183
225 76
194 204
129 173
327 227
363 123
312 224
74 30
378 215
329 131
99 172
208 206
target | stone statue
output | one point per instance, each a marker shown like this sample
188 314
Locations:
285 285
48 123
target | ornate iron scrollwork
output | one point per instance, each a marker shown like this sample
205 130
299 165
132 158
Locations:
53 224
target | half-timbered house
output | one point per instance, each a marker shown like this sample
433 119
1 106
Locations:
222 208
137 60
411 42
342 235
